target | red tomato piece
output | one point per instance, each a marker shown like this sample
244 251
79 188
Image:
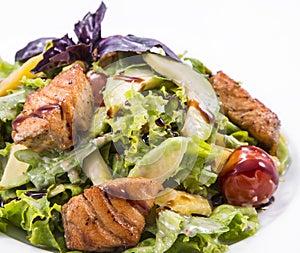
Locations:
249 177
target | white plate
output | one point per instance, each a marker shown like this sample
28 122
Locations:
255 42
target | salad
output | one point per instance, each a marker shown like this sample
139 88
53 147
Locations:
126 114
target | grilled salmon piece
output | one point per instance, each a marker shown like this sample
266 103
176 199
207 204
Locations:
53 116
247 112
115 219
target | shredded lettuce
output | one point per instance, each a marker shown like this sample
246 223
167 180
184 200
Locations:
143 122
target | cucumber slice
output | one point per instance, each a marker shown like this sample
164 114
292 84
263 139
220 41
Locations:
163 161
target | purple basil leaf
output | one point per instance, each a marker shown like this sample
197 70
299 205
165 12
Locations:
63 52
90 44
59 46
131 43
33 48
89 29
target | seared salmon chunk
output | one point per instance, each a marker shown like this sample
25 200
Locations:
109 216
53 115
247 112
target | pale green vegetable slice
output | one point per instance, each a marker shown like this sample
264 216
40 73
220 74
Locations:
114 93
15 171
96 168
163 161
148 79
195 125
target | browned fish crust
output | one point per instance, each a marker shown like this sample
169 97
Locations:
104 217
247 112
53 115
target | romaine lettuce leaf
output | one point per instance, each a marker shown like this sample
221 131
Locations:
283 155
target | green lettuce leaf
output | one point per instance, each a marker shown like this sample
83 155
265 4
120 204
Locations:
35 83
12 104
198 66
7 68
38 217
47 169
3 220
177 233
242 222
283 155
143 122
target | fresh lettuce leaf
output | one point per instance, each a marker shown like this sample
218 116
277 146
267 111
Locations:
7 68
35 83
47 169
231 136
242 222
176 233
283 155
12 104
3 220
38 217
198 66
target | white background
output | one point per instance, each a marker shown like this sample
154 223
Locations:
256 42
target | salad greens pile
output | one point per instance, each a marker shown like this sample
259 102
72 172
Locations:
145 125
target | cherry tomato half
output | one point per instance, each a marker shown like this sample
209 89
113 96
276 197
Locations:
249 177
